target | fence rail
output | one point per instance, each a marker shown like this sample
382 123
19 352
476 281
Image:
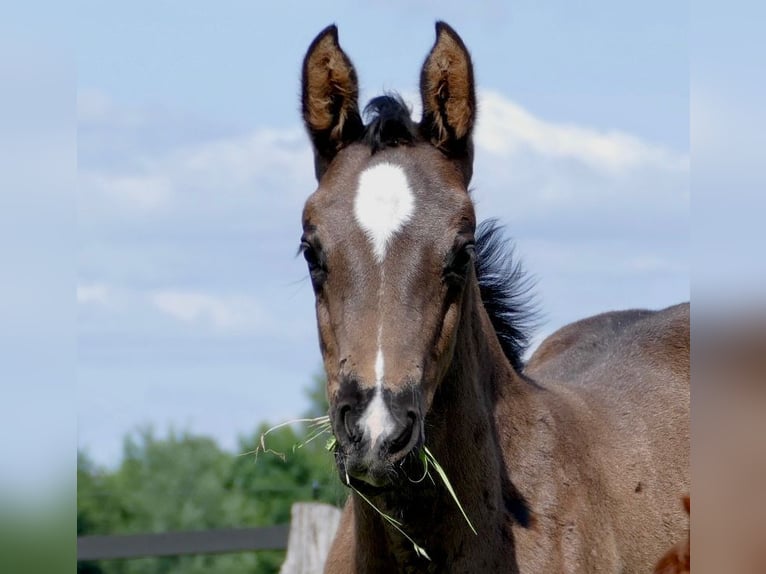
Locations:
180 543
310 533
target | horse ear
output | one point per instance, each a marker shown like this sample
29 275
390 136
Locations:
329 98
449 99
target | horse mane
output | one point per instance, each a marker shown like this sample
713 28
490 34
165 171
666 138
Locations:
390 123
504 286
506 291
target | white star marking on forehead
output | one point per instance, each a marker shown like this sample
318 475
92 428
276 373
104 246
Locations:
384 203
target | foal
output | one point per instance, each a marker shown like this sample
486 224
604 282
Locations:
573 463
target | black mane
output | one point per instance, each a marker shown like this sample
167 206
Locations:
505 290
390 123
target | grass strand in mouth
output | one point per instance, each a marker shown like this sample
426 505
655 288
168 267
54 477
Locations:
321 425
428 459
419 550
427 456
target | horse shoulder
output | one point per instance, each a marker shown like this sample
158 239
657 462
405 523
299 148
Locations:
615 387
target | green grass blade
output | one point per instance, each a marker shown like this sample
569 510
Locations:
419 550
321 424
448 484
313 435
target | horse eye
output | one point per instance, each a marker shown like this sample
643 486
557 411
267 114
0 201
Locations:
464 256
459 262
316 263
310 255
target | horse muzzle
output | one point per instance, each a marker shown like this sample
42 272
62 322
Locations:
376 430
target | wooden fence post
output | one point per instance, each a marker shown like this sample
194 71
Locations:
312 530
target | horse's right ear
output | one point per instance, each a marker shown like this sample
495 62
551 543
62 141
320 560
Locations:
329 98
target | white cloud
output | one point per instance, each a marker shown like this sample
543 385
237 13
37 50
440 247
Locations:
268 166
92 293
93 106
255 175
571 184
224 313
504 128
144 192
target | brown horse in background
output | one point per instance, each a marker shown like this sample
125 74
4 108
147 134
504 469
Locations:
677 560
573 462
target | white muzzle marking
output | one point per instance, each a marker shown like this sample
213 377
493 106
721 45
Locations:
376 421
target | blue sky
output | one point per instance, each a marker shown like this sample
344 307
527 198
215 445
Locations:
193 167
601 64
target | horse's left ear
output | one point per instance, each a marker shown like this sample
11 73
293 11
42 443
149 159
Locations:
449 99
329 98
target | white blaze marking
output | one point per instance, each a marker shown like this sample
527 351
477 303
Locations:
379 368
376 421
384 203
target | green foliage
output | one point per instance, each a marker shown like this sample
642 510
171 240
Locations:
37 538
305 473
183 481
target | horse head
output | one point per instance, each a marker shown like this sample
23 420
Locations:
388 237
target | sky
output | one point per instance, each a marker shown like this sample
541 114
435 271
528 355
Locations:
192 309
37 244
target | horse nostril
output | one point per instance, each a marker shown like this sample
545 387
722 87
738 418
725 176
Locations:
404 438
348 424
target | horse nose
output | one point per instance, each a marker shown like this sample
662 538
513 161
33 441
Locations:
376 429
377 423
346 424
402 439
388 427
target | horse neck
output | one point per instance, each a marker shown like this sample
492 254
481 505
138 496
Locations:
461 427
461 434
460 423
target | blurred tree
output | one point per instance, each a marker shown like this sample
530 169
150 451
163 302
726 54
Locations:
164 484
186 482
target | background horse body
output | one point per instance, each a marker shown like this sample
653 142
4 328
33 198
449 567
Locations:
574 463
